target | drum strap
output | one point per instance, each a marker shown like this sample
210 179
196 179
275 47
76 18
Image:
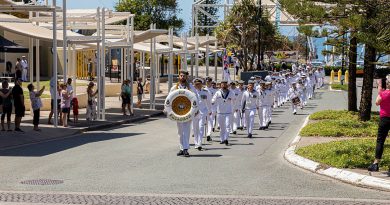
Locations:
187 86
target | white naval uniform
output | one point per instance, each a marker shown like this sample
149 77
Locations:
211 118
250 102
318 79
262 108
293 93
269 101
302 89
224 103
237 116
184 128
200 120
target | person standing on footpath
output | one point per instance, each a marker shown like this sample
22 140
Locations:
69 89
36 104
24 65
7 105
140 92
383 100
17 93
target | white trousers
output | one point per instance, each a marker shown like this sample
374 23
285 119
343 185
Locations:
184 131
269 114
198 126
250 119
236 120
24 75
210 123
294 108
261 112
224 122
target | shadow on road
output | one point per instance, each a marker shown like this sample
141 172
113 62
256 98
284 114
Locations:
205 155
47 148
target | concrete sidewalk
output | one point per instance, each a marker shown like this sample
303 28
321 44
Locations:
114 117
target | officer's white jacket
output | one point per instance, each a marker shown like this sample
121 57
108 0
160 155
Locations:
204 101
268 97
250 100
224 103
212 92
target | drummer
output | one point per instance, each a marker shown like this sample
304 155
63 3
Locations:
183 128
294 94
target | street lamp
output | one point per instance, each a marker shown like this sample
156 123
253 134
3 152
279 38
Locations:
260 12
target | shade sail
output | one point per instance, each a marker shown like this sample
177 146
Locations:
7 46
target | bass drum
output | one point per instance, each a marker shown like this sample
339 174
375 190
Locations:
181 105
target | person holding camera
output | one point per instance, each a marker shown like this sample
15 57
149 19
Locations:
383 100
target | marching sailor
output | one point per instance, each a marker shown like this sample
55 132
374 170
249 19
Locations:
262 108
212 89
236 122
200 120
269 102
183 128
250 102
223 99
235 108
294 94
241 118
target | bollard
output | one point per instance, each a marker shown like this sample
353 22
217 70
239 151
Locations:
346 76
332 76
339 75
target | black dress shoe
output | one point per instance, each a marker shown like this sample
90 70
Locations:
295 113
186 154
223 142
261 128
180 153
213 129
200 148
208 138
226 143
250 136
234 132
373 167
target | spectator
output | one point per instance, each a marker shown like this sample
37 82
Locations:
24 65
65 104
18 69
126 97
17 94
383 100
75 105
7 105
69 88
54 92
36 104
89 69
140 92
91 107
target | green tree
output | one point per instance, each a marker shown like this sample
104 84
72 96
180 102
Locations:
240 31
161 12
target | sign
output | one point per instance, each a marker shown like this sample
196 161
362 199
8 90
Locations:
282 56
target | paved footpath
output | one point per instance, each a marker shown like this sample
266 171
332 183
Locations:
136 163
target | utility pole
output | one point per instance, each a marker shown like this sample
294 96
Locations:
259 37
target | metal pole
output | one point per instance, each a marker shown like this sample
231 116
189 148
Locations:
31 60
132 63
98 62
152 83
37 63
65 41
170 69
55 71
259 37
197 55
154 69
207 59
103 67
216 62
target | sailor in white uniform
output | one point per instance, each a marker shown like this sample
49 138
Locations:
223 99
268 103
294 93
226 74
237 107
261 90
212 89
200 120
250 103
183 128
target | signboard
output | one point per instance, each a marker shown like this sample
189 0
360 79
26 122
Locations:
282 56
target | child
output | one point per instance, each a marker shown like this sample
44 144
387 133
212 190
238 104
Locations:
36 104
75 103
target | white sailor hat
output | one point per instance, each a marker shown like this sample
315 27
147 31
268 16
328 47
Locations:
198 80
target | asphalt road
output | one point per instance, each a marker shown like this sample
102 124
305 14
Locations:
140 159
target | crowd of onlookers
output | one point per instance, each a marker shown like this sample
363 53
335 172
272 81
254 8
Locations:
12 101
